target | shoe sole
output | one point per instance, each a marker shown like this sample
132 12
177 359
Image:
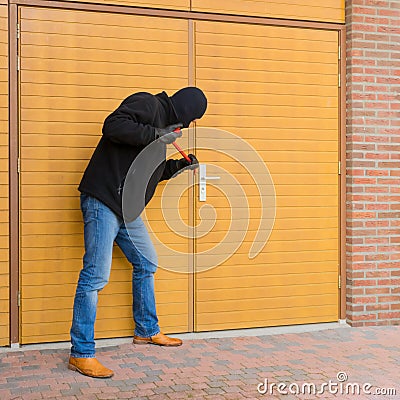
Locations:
135 341
73 368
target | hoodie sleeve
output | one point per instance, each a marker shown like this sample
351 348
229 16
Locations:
171 168
125 125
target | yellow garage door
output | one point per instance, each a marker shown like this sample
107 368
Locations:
76 67
167 4
271 136
309 10
4 267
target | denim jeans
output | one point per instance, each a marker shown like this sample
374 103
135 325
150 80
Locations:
101 228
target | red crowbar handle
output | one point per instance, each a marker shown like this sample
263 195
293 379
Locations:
180 149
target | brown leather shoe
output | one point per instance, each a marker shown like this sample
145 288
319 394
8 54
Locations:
160 339
89 367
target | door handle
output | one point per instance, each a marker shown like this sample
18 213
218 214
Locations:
203 178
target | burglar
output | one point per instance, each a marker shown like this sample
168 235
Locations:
141 119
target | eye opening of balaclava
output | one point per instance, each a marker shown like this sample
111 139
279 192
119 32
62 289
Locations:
189 103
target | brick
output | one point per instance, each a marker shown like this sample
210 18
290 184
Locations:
354 308
388 248
363 181
364 317
388 13
378 88
381 240
377 206
395 273
377 307
388 265
376 223
366 323
360 215
355 171
355 258
355 275
377 173
356 324
377 21
388 198
359 197
363 300
377 274
389 299
389 148
387 282
377 291
389 315
389 215
363 266
354 241
363 249
388 165
376 257
365 282
355 206
364 10
378 156
357 291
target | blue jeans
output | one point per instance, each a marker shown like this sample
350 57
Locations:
103 227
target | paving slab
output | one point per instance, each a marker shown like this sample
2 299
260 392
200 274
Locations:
350 363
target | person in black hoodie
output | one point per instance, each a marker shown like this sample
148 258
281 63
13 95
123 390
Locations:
141 123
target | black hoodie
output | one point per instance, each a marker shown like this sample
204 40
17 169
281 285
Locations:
126 132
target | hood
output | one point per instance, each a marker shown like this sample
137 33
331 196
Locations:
189 103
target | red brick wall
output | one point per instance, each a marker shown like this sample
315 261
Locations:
373 162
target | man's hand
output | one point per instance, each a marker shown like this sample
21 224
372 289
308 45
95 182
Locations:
168 135
194 164
184 164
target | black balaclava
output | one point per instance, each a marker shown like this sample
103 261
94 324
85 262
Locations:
189 104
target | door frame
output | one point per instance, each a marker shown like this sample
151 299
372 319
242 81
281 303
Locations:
13 143
191 17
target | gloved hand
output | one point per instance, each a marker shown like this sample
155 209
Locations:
167 134
183 164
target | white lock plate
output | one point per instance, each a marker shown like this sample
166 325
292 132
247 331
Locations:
202 182
203 178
